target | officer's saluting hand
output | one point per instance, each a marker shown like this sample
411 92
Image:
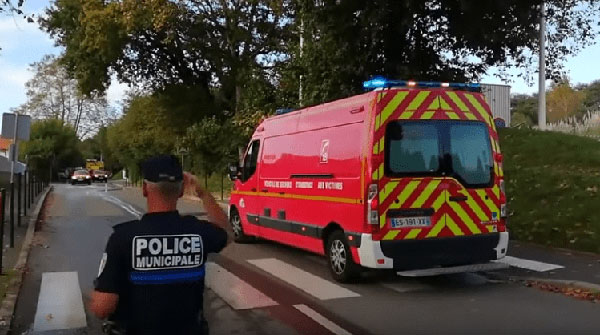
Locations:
151 277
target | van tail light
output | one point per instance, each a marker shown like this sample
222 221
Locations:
373 208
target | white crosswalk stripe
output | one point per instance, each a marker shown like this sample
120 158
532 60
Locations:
529 264
236 292
60 305
316 286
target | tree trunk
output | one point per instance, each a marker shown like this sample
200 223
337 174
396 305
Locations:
222 187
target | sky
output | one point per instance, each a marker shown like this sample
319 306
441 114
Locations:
23 43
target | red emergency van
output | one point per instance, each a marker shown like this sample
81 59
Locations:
407 176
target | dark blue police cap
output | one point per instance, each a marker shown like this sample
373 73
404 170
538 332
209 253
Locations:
162 168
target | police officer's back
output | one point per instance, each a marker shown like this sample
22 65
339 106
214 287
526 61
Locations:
151 279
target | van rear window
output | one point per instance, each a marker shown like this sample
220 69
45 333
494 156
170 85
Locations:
437 148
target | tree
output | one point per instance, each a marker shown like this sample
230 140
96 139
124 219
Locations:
591 101
157 43
51 94
53 145
348 41
524 109
563 102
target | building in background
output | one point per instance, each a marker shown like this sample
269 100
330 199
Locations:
498 97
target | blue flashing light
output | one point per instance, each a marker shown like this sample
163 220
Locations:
380 82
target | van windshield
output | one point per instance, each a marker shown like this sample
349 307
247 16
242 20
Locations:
435 148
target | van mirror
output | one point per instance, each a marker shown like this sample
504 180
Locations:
233 171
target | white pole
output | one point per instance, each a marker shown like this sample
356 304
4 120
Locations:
542 71
14 153
301 53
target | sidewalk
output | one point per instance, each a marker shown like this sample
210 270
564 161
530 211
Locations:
14 258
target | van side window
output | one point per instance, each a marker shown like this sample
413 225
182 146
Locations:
250 160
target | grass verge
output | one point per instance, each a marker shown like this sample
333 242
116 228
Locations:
552 184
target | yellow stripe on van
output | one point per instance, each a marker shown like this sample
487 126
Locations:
452 115
386 190
391 107
377 121
418 100
453 226
438 227
382 220
391 235
466 219
376 148
301 197
381 144
406 115
471 116
413 234
427 115
433 185
437 204
491 206
410 188
476 209
461 105
484 114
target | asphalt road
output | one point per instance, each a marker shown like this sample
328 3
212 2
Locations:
266 288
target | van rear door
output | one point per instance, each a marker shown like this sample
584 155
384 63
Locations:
438 180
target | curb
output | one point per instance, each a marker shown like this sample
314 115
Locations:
7 308
578 284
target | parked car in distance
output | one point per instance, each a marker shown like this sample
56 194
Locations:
101 176
81 177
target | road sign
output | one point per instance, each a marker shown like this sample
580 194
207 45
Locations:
23 126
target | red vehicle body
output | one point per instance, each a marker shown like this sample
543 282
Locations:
402 178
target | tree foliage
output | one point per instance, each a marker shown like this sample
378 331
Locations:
51 94
52 145
346 42
563 102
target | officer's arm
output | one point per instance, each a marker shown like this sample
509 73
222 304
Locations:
103 304
215 213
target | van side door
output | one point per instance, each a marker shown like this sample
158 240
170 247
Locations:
247 187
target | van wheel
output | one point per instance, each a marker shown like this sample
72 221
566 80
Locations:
238 230
342 266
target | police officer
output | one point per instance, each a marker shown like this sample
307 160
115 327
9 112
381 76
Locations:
151 277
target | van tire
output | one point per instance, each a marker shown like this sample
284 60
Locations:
339 257
238 231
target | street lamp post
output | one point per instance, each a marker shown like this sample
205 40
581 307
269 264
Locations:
542 70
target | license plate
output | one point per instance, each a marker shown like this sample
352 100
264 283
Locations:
409 222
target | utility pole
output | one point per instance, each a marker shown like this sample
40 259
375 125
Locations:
542 70
301 52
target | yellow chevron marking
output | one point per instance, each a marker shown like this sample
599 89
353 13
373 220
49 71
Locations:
476 209
375 176
492 207
377 121
464 217
391 234
426 193
412 234
484 114
461 105
382 220
496 191
435 104
437 204
452 115
376 148
391 107
453 227
406 115
427 115
444 103
381 144
380 170
438 227
471 116
408 190
418 100
490 228
387 189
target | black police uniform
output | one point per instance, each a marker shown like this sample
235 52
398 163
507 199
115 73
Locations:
157 265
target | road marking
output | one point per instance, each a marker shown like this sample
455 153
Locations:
320 319
123 205
60 305
307 282
528 264
236 292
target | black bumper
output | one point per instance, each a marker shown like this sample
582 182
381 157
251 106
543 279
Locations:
449 251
